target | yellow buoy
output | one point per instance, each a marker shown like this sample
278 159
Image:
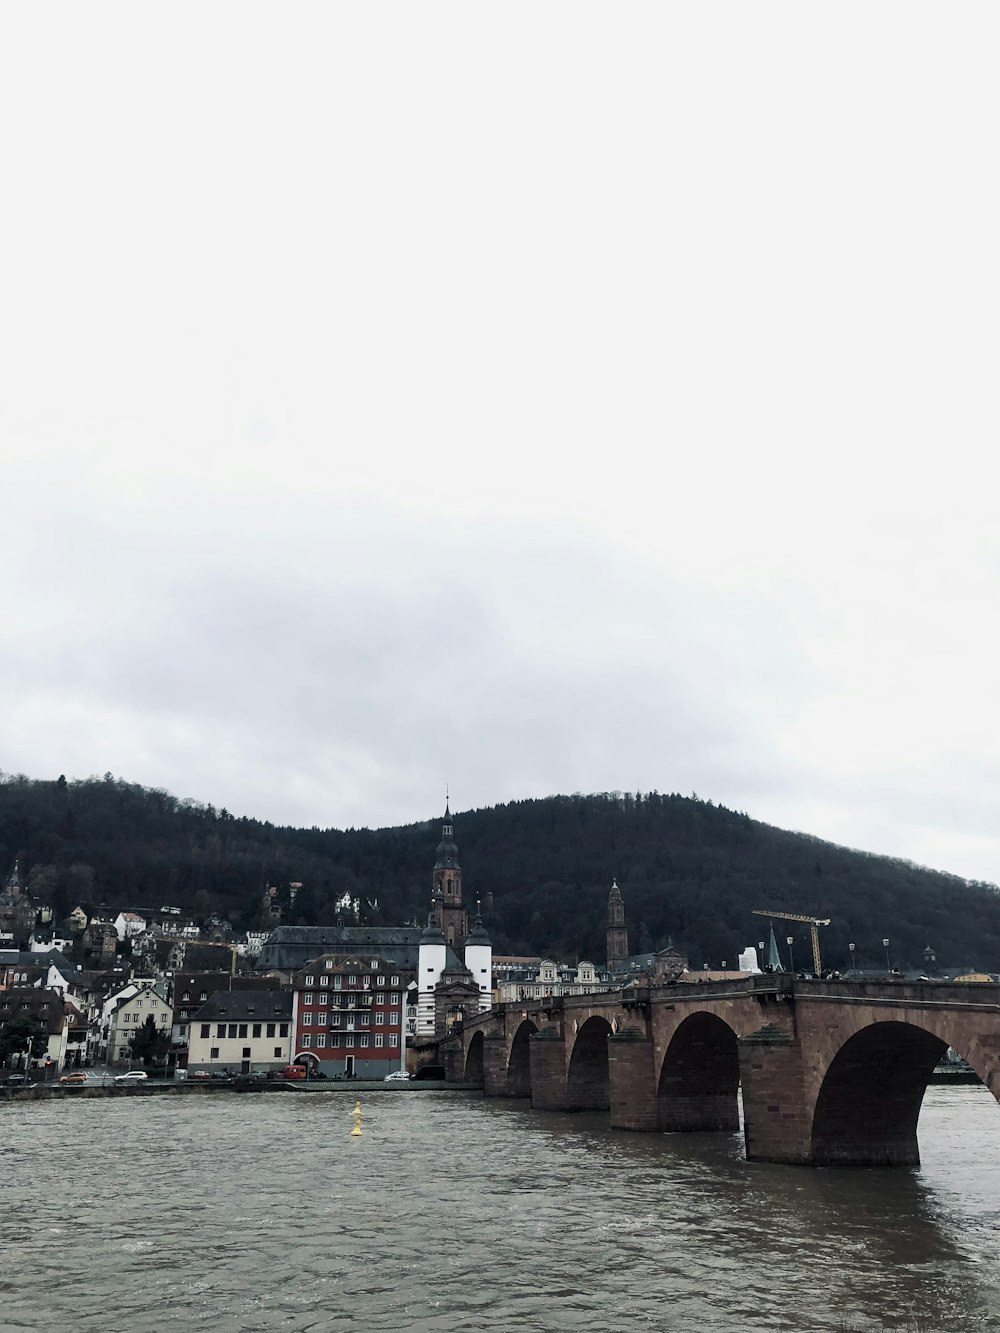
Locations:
356 1131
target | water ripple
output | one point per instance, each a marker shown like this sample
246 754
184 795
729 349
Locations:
452 1214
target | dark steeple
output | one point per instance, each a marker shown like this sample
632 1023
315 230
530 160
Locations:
478 933
447 850
447 882
617 931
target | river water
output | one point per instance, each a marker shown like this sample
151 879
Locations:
254 1213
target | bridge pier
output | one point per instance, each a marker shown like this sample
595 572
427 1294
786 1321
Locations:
495 1067
632 1076
548 1070
777 1122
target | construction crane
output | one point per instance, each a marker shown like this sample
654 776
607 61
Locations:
813 922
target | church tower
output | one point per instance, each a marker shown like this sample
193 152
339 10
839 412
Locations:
449 914
617 932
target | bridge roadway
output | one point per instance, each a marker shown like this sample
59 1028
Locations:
832 1072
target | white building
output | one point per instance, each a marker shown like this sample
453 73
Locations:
242 1030
128 924
551 978
126 1013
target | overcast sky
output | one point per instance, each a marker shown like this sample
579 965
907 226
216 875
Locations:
532 398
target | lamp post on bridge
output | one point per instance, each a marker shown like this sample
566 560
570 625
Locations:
885 946
851 947
760 956
790 940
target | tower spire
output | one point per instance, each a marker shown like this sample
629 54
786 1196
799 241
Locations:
447 885
617 930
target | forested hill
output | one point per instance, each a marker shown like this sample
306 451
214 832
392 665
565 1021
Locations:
687 869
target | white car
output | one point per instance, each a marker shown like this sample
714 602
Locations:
397 1076
133 1076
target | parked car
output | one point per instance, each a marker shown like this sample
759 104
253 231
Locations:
73 1080
133 1076
199 1076
397 1076
18 1081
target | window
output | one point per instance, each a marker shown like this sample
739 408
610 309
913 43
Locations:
394 997
232 1030
328 964
243 1030
379 1039
256 1029
203 995
278 1052
307 997
368 983
320 1038
270 1029
325 980
214 1053
374 963
186 995
352 981
364 1020
220 1031
334 1038
338 983
182 1031
364 1040
205 1030
307 1040
307 1020
324 999
310 981
380 981
246 1052
394 981
284 1030
394 1016
391 1040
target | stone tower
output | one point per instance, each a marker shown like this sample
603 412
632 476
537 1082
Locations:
617 932
449 914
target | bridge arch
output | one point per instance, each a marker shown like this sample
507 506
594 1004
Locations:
868 1103
699 1081
519 1060
474 1071
588 1079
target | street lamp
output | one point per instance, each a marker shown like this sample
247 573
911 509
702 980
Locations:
760 955
790 940
851 947
885 946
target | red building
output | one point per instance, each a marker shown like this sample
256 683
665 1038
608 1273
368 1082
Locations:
350 1013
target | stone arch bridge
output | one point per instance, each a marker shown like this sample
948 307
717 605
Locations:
831 1072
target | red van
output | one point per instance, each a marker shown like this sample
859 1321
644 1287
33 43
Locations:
294 1071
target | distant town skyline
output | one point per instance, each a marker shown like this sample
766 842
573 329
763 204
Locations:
389 421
